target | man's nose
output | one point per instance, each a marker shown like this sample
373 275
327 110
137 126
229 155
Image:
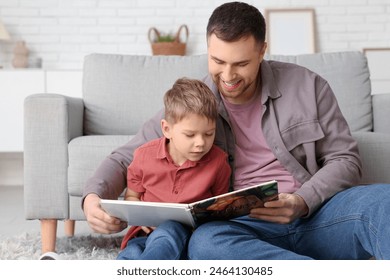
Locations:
228 73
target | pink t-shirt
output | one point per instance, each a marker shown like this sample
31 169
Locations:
254 160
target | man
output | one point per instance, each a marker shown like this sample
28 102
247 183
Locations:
276 121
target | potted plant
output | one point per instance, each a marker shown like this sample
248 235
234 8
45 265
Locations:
168 44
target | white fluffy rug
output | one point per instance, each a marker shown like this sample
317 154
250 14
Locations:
27 246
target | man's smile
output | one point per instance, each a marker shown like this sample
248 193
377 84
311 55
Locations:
231 85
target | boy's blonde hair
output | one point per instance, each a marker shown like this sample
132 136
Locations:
189 96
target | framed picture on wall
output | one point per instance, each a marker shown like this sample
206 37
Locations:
291 31
378 60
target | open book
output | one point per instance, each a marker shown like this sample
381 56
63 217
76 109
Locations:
222 207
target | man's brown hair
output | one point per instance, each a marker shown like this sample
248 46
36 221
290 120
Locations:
235 20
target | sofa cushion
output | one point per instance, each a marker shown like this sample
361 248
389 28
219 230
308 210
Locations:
85 155
348 76
122 91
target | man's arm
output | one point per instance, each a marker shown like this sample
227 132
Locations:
109 180
338 156
337 153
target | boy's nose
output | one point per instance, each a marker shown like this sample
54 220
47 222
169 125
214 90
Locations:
199 141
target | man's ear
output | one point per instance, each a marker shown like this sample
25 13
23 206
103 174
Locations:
166 128
263 49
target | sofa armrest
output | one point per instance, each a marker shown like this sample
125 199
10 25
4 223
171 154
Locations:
374 149
50 122
381 112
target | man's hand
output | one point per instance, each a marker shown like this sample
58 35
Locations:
98 219
285 210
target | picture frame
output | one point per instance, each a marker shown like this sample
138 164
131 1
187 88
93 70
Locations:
291 31
378 60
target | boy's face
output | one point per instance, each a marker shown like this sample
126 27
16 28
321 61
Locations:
189 139
234 66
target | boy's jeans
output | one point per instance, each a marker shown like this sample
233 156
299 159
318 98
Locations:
354 224
167 242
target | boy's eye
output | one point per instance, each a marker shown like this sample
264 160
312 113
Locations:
189 135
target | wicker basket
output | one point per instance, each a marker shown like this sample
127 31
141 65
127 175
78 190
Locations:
168 48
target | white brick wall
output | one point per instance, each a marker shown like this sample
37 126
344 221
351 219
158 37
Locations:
61 32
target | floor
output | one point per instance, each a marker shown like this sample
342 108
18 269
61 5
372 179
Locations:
12 221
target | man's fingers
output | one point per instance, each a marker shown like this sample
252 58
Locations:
101 222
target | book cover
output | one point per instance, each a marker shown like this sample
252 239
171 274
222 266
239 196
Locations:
221 207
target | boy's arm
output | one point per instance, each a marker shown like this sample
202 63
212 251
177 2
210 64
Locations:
136 196
132 195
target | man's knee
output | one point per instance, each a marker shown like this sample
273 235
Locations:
201 243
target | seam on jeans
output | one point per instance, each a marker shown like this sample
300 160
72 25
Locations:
378 247
355 217
333 222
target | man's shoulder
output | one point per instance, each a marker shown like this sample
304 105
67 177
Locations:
282 67
286 66
284 73
151 145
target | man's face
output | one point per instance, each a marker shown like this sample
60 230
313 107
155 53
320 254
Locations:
234 67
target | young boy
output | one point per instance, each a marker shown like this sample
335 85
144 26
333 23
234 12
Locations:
183 166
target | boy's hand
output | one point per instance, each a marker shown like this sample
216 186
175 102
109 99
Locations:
148 230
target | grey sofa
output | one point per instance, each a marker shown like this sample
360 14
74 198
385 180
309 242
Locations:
66 138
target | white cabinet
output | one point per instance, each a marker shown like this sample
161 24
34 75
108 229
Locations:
66 82
16 85
378 63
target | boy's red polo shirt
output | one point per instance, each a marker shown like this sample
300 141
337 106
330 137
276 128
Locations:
154 174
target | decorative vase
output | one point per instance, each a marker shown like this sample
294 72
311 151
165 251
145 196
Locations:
20 59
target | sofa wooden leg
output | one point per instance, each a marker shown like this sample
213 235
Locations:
69 227
48 235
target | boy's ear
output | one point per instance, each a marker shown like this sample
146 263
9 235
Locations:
166 128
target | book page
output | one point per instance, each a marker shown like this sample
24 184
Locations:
234 204
139 213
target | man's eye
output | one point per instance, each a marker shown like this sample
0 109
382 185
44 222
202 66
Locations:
189 135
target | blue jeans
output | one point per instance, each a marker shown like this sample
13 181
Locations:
354 224
167 242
